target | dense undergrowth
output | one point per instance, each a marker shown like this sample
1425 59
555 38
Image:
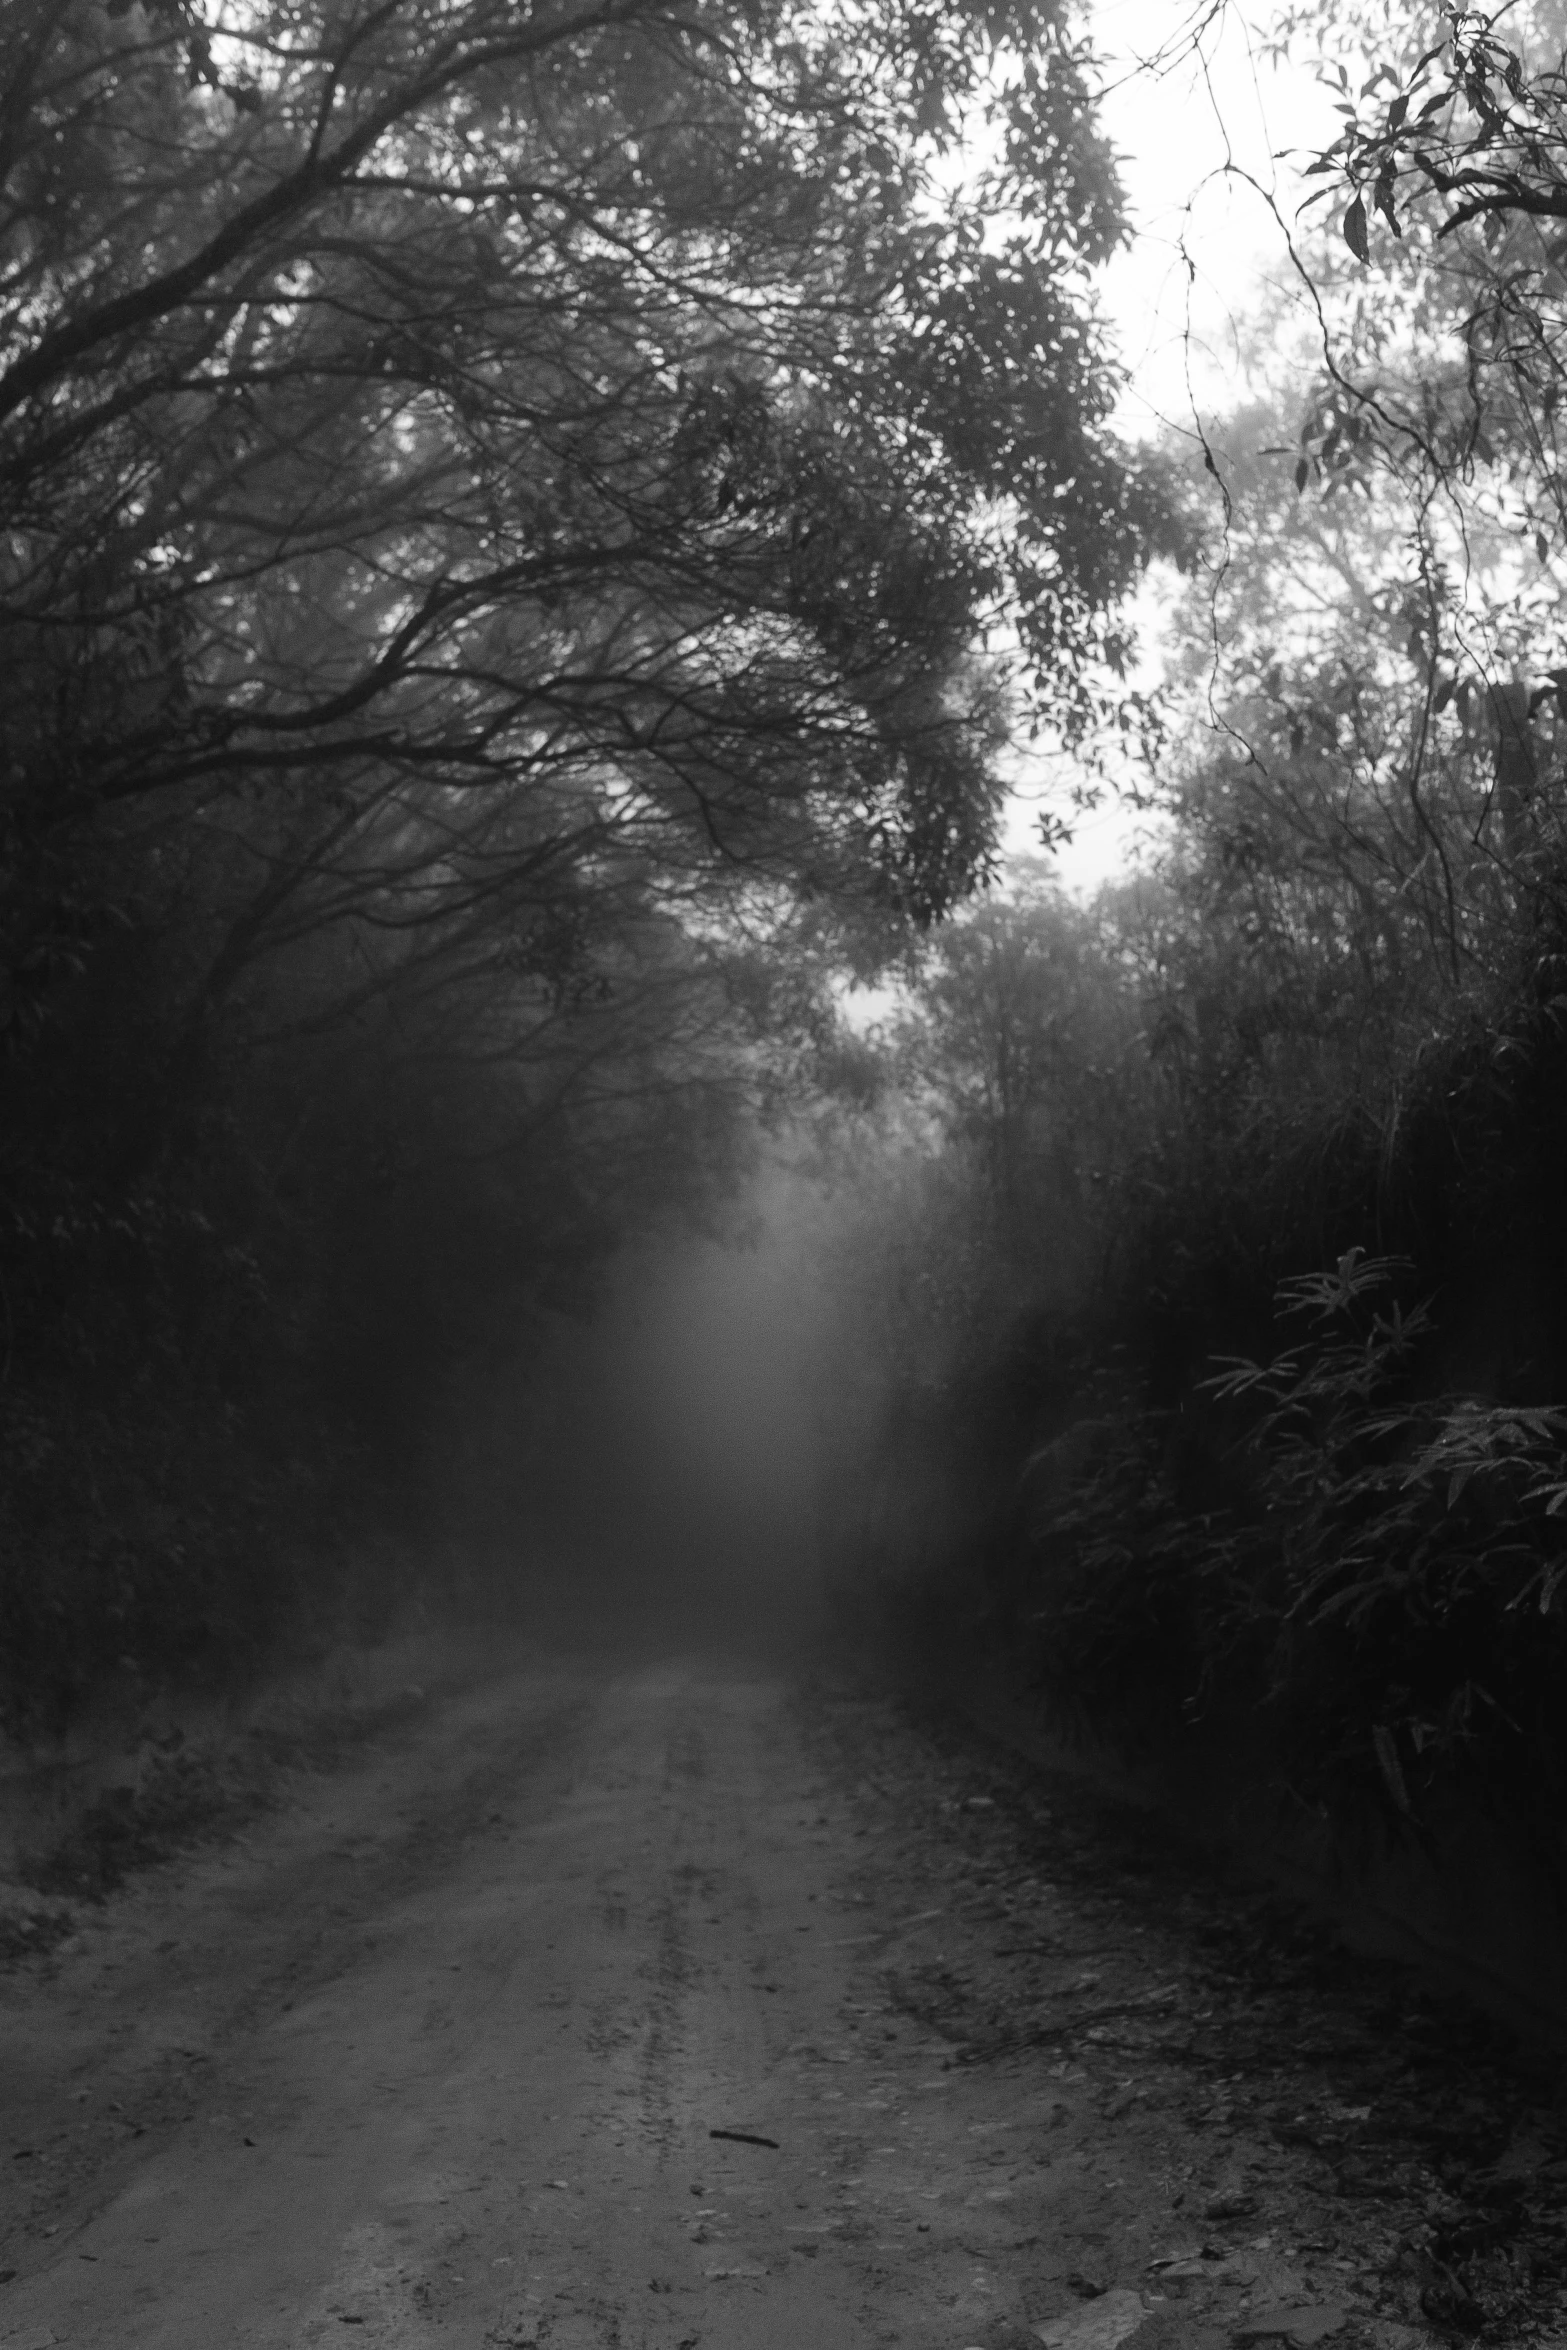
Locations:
1353 1536
1275 1463
1372 1587
186 1483
1237 1193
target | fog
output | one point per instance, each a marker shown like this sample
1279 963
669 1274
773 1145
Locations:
678 1445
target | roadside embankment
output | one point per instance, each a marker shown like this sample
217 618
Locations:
1468 1898
145 1773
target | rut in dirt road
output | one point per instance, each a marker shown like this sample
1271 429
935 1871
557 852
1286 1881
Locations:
681 2008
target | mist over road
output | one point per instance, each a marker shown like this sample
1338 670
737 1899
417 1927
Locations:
439 2056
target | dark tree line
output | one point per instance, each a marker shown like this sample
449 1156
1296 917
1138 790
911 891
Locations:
506 517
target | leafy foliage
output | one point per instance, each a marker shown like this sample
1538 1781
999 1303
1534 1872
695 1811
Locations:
1326 1025
1382 1573
1347 1554
500 517
599 418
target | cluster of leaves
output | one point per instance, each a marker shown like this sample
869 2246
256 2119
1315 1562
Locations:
1382 1568
1122 1587
1472 120
1438 356
1417 1540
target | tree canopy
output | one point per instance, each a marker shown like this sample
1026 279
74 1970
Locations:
550 429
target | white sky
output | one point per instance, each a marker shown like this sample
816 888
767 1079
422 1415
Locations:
1177 130
1204 249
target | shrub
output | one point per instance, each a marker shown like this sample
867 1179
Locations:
1384 1574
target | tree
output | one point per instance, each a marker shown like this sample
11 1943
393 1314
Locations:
1442 366
1017 1039
601 408
501 515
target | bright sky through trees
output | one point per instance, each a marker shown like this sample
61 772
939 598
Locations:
1203 123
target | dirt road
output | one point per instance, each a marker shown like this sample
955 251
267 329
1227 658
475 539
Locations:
439 2055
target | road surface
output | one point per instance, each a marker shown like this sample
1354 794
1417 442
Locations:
437 2055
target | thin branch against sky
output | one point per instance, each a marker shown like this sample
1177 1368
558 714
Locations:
1202 123
1205 127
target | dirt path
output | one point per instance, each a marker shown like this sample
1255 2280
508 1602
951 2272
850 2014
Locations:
439 2056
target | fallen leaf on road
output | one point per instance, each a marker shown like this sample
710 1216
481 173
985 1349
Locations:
749 2137
1302 2325
734 2272
1099 2325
